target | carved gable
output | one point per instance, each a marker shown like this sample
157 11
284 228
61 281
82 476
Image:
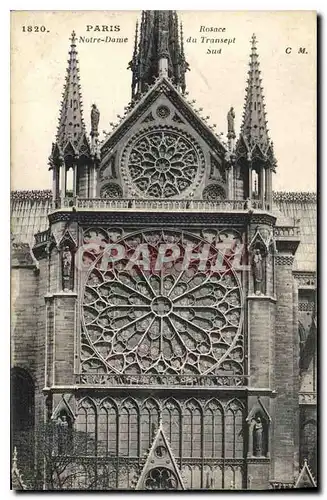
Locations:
160 471
162 149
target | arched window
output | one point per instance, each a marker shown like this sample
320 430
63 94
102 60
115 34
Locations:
149 424
234 430
192 424
213 420
107 428
86 425
171 419
128 429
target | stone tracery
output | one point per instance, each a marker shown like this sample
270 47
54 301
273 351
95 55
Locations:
162 163
172 320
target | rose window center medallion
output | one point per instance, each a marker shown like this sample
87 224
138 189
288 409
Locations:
161 306
163 163
175 319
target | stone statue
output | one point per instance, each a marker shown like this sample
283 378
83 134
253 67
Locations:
258 437
230 121
66 269
257 265
95 117
62 433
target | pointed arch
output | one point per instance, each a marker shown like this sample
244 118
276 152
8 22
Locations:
149 423
129 428
171 421
86 424
192 428
234 429
63 407
213 429
108 427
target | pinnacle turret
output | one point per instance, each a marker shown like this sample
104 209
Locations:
71 126
158 40
254 125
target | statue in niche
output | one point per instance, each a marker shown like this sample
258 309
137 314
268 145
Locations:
257 266
258 437
62 426
231 122
66 261
95 118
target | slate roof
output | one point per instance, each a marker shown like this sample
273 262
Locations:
29 210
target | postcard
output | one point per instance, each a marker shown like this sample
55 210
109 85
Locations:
163 250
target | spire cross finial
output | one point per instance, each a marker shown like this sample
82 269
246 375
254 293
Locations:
73 38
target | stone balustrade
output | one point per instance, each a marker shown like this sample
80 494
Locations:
286 231
168 380
41 237
158 204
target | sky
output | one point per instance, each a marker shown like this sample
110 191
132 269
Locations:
216 81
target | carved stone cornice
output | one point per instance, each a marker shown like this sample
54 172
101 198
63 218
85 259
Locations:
307 398
154 218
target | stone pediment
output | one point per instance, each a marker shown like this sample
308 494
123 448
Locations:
184 112
160 471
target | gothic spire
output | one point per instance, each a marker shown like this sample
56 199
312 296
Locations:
254 126
158 51
71 126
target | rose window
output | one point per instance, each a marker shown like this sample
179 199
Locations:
163 163
183 316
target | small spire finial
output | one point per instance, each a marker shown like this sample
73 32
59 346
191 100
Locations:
14 459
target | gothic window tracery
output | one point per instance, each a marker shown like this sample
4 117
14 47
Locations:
206 437
192 428
171 320
107 427
233 435
87 425
162 163
160 478
214 192
111 190
213 422
128 427
171 417
149 423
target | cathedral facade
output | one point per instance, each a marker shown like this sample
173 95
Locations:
164 318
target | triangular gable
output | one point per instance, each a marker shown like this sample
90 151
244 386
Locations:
257 239
70 150
67 239
185 110
63 405
160 459
84 146
258 154
242 148
305 479
259 406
